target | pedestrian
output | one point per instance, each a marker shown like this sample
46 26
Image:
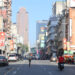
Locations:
60 60
29 62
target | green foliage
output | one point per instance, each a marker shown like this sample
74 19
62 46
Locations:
24 47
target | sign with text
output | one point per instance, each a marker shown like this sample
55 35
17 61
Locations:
1 22
1 3
64 43
2 38
72 3
11 45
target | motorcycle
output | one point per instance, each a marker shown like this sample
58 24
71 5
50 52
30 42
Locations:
61 66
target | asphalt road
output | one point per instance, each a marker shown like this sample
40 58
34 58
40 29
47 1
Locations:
38 67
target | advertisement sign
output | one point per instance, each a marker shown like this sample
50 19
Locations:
42 45
42 41
73 46
1 22
11 44
42 29
70 27
2 38
72 3
68 45
1 3
42 38
64 43
37 52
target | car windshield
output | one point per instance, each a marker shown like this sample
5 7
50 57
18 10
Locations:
12 55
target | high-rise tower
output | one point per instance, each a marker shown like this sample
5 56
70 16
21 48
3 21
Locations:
22 24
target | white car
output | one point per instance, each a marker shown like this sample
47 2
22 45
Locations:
12 57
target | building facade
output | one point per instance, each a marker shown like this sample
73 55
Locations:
52 33
66 31
5 23
72 26
41 29
22 24
54 27
58 7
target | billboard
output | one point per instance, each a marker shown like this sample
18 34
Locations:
68 45
1 3
2 38
1 22
70 27
11 44
42 38
72 3
42 45
64 43
42 29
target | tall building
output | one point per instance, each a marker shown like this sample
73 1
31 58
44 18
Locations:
22 24
58 7
5 23
41 29
52 26
7 18
72 25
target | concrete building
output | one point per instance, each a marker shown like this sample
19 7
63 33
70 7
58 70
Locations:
5 22
57 10
61 34
41 29
72 27
7 19
22 24
66 31
14 38
52 26
58 6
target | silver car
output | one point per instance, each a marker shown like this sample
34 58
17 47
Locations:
3 60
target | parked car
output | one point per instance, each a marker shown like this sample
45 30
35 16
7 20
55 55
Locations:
3 60
12 57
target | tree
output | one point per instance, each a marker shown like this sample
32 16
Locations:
24 47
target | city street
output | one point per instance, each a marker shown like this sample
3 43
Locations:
38 67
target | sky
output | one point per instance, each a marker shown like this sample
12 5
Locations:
37 9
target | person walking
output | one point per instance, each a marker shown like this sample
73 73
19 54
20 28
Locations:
29 62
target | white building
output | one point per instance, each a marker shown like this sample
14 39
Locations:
58 7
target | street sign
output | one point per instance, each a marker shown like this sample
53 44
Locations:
68 45
72 3
1 3
64 43
11 45
73 46
2 38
